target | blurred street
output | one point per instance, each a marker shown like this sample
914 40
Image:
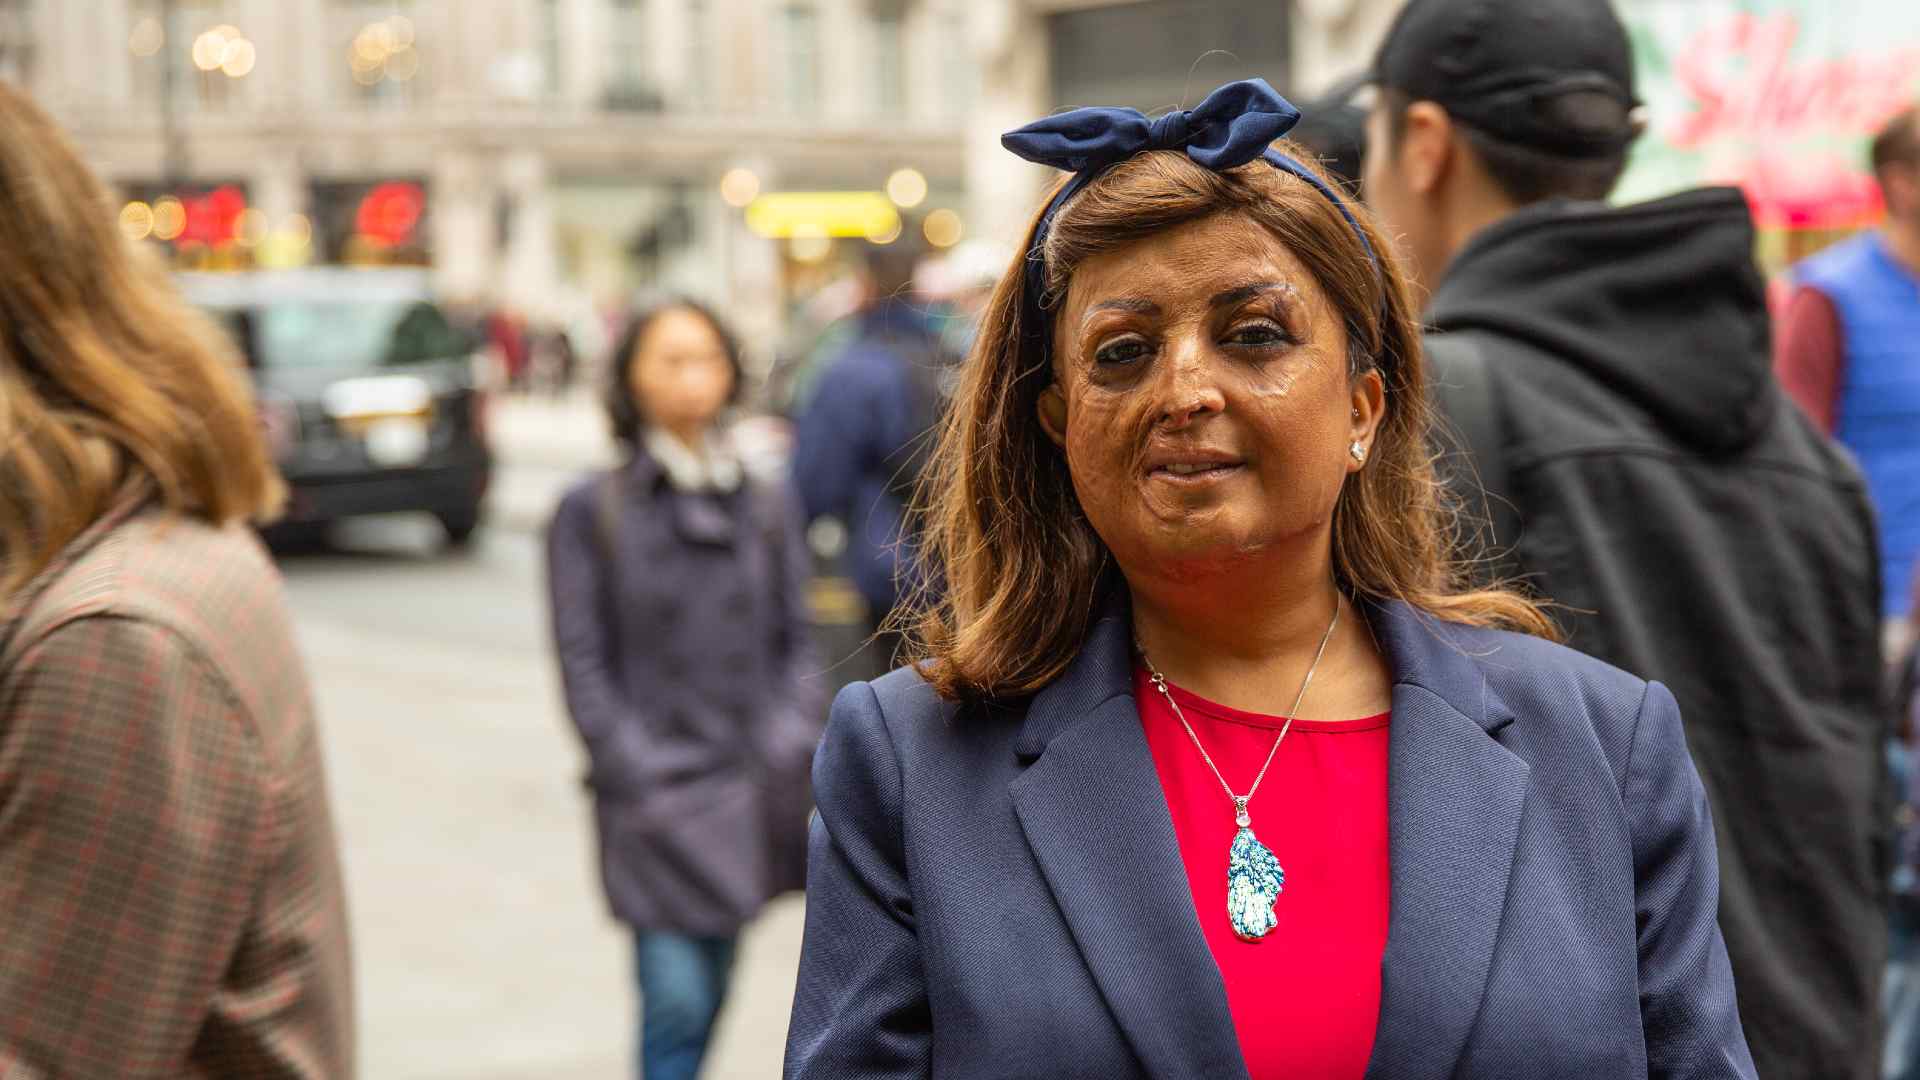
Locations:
446 741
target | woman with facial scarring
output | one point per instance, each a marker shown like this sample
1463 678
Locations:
1213 763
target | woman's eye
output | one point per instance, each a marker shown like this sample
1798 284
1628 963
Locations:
1259 334
1120 353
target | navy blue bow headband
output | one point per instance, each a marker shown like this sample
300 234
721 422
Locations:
1234 125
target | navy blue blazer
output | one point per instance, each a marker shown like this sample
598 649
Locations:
997 892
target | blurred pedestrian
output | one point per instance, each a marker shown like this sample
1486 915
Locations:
170 894
679 614
1187 471
554 359
1849 353
507 336
1335 130
860 443
1608 371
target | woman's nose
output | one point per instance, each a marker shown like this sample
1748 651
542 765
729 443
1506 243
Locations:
1190 386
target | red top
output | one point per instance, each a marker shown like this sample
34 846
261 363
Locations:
1305 999
1809 354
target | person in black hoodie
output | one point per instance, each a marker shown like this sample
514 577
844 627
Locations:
1608 372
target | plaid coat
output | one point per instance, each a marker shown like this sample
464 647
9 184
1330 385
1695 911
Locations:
170 896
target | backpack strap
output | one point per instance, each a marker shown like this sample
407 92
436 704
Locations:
607 497
1472 437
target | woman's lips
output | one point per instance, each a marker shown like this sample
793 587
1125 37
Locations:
1195 473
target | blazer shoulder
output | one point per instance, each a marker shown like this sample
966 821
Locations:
909 709
1506 655
921 731
1556 692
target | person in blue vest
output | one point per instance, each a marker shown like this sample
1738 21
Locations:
1849 353
1848 350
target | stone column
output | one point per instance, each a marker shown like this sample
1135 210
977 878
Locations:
742 46
465 207
113 30
749 279
668 49
530 272
1009 46
277 185
67 40
927 54
583 49
1332 39
843 31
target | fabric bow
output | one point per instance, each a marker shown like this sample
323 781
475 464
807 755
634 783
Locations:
1231 127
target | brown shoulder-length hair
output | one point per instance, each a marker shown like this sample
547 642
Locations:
107 377
1012 563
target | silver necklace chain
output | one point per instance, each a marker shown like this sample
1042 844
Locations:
1240 801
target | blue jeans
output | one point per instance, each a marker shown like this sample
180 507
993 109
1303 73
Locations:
683 982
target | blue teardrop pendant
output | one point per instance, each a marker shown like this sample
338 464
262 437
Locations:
1254 879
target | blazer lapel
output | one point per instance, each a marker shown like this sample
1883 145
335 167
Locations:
1454 798
1095 817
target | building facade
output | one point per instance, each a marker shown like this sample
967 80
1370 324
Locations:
564 150
555 155
1038 55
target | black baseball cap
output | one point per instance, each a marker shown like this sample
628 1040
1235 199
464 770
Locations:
1506 67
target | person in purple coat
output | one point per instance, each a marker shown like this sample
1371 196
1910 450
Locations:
678 602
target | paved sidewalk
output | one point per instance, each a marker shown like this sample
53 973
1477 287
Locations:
483 950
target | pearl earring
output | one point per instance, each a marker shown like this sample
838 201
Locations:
1358 451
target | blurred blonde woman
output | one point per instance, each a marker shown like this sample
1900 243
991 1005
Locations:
170 897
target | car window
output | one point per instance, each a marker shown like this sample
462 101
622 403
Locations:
353 334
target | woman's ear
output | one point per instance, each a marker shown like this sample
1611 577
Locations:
1367 407
1052 408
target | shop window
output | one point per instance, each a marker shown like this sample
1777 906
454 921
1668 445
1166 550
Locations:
628 84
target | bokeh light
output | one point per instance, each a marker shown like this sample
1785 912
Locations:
404 64
251 226
907 188
169 218
374 43
224 48
383 49
136 220
209 49
810 246
237 58
739 187
148 37
943 228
